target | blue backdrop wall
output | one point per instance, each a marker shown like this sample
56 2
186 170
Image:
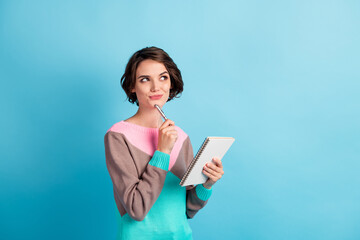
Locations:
282 77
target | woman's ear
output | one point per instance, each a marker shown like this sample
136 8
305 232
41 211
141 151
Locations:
133 90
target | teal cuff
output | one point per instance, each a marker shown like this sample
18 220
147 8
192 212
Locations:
202 192
160 160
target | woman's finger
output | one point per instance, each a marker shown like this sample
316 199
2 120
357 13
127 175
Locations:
208 174
217 162
171 132
215 168
167 123
211 177
166 129
212 172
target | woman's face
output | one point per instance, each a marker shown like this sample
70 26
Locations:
152 83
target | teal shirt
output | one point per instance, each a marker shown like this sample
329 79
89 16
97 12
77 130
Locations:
166 219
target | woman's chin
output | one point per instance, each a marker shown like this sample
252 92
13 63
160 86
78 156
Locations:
151 104
159 102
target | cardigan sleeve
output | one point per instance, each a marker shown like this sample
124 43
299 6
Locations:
137 194
196 196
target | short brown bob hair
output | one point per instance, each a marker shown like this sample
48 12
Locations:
156 54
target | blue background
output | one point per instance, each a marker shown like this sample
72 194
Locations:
282 77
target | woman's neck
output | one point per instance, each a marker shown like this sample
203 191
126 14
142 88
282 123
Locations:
146 117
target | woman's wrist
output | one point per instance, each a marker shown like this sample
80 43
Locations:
206 186
164 151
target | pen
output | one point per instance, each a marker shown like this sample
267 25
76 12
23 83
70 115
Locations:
161 111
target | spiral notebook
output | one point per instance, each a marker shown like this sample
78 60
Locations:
211 147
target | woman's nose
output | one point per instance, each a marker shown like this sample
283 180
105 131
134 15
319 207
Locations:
154 86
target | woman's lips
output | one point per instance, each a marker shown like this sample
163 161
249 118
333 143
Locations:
156 97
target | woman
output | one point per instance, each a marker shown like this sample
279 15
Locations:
146 157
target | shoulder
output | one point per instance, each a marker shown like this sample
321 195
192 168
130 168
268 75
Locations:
118 127
115 133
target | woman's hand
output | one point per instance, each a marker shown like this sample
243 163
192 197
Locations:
167 137
214 171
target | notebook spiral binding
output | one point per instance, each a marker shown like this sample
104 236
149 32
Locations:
194 161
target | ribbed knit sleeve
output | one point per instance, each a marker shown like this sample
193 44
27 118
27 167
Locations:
196 197
160 160
137 194
202 192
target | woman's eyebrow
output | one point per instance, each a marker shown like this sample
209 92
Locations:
149 75
143 76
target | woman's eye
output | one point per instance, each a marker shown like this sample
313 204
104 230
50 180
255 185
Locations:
164 78
144 80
